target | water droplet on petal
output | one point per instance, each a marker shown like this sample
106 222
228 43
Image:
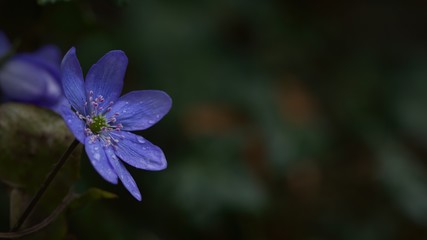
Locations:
140 139
150 121
97 156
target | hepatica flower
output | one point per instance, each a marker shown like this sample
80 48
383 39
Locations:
31 77
102 120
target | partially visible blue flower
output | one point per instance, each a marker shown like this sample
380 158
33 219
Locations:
32 77
101 120
4 44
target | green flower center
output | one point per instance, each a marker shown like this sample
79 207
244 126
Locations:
98 122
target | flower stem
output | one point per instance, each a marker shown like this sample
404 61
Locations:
45 185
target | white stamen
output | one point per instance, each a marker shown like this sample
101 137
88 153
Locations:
95 110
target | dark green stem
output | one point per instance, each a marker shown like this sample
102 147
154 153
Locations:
45 185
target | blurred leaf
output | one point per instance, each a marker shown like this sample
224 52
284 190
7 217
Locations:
405 179
57 229
32 140
90 196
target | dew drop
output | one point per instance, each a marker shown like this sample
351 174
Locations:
150 121
157 116
97 156
140 139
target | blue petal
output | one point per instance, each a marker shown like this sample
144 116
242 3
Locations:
47 58
139 110
105 78
123 174
75 124
72 81
4 44
50 54
59 105
22 79
138 152
97 155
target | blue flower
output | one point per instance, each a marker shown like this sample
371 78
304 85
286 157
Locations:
101 120
31 77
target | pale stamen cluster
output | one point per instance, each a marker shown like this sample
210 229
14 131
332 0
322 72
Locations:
97 125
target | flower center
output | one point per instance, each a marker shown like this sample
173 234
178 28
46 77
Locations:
98 126
98 123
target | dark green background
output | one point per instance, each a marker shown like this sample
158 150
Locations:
290 119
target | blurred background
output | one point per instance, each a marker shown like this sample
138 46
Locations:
290 119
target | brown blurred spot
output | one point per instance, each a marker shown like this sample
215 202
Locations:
295 102
255 154
304 182
211 119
